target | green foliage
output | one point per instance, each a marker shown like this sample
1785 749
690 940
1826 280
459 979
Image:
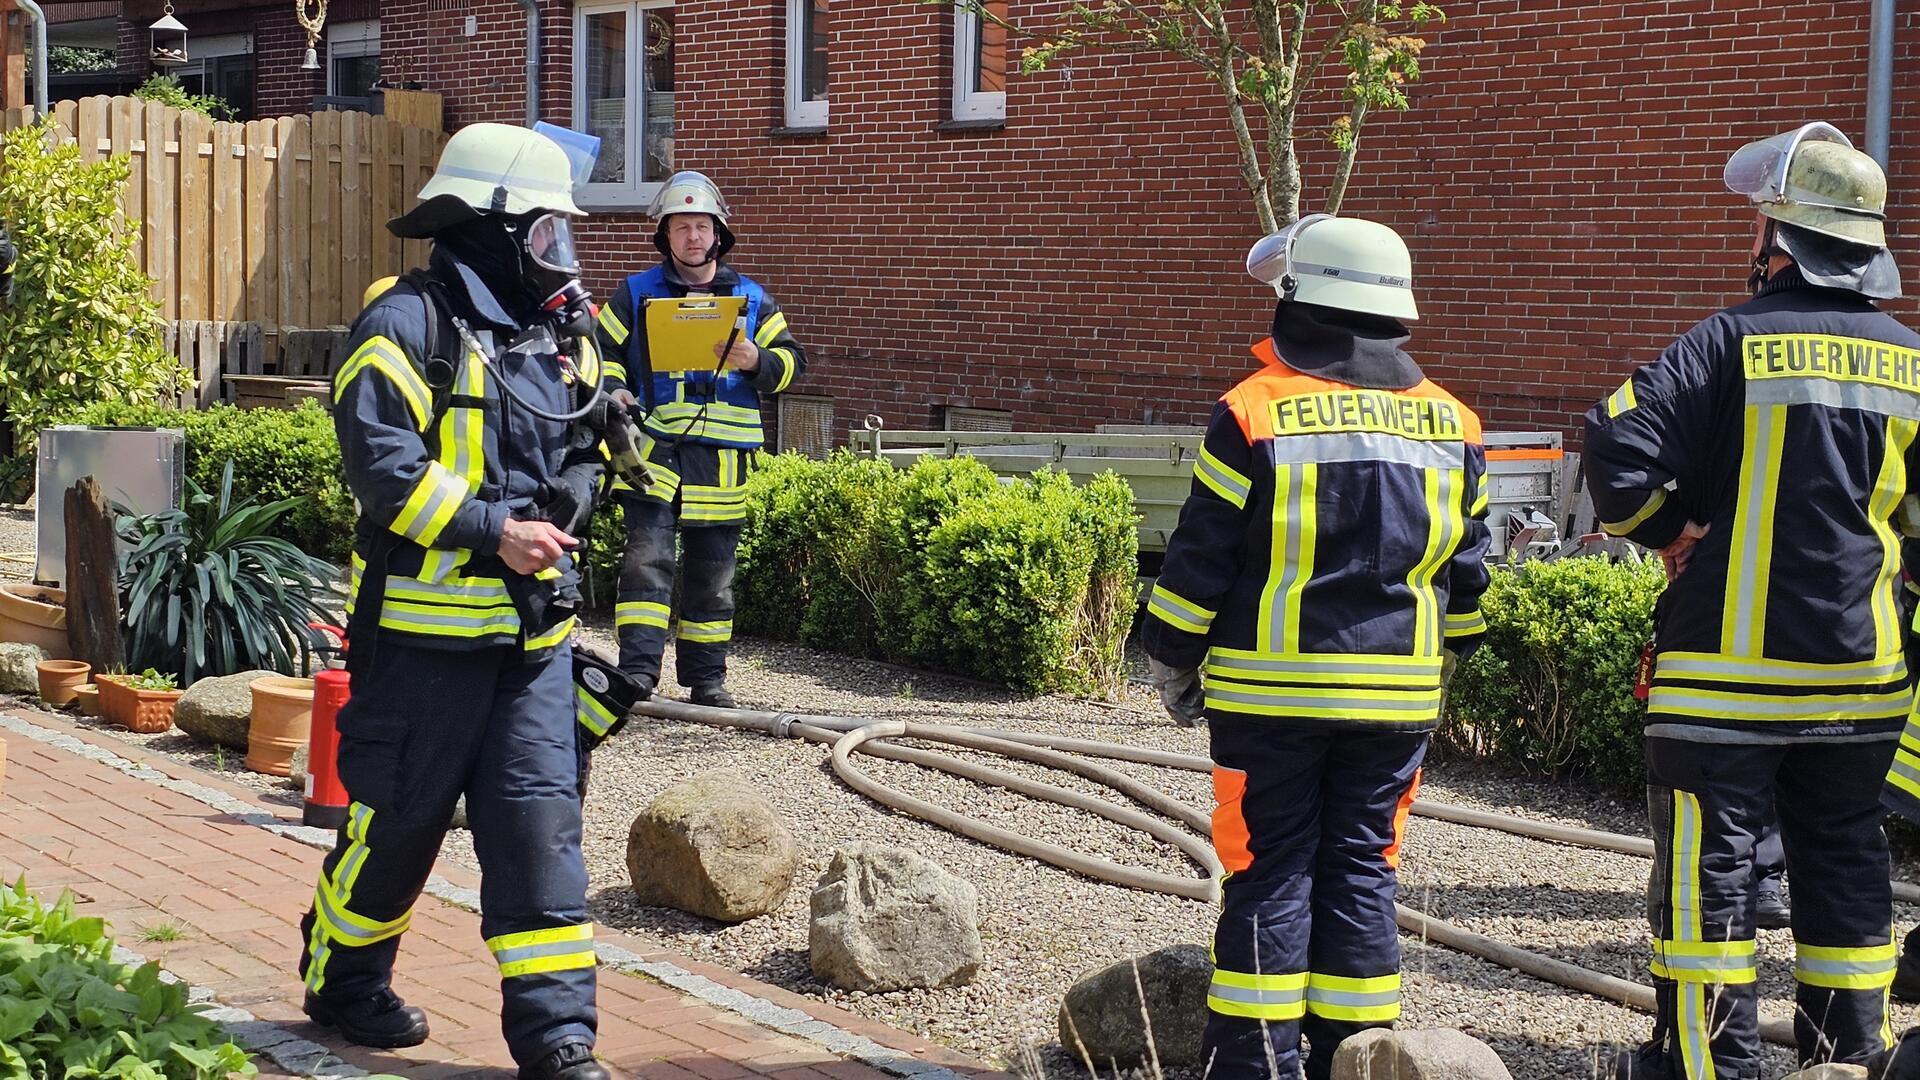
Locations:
1030 583
71 59
277 455
67 1009
82 325
151 679
209 591
1551 688
166 90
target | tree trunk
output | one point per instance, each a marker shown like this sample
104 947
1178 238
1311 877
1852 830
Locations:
93 578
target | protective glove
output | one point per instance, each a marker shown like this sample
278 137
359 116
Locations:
570 496
1180 692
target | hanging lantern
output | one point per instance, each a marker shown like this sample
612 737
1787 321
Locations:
313 24
169 40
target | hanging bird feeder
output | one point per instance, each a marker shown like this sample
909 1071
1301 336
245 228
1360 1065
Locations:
169 40
313 24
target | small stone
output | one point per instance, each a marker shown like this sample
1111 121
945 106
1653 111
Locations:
1100 1017
219 710
885 918
1831 1072
1437 1054
459 815
714 847
297 769
19 670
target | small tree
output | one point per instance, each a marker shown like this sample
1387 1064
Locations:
1270 53
164 89
82 325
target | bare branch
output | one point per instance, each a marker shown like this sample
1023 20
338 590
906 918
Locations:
1349 148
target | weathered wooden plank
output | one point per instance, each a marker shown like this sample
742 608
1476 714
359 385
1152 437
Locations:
161 226
261 267
196 211
229 223
356 259
296 231
126 128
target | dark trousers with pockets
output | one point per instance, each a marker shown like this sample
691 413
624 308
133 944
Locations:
1308 825
423 727
704 565
1709 804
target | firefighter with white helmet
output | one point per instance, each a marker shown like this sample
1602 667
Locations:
1764 455
456 412
1327 565
702 428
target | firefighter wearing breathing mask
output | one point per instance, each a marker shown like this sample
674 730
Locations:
1765 455
457 412
1327 564
701 429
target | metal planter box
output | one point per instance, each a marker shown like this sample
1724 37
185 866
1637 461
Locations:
142 469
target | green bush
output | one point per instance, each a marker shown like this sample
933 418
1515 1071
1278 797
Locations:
277 454
82 325
68 1009
163 89
1551 688
1029 583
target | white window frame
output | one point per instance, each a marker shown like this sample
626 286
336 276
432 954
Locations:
968 104
631 193
802 113
347 40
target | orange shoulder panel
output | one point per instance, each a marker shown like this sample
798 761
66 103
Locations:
1469 420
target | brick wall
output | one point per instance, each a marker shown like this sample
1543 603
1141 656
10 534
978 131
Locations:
1557 179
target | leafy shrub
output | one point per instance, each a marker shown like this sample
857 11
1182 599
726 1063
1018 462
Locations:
209 592
277 454
1030 583
1551 688
67 1009
82 325
163 89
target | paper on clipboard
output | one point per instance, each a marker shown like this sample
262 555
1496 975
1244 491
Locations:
683 332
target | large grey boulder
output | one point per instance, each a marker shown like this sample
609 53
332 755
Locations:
19 670
1100 1018
714 847
1438 1054
219 710
885 918
1832 1072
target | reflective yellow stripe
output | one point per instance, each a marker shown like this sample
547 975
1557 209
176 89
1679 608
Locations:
1716 962
1770 708
787 369
1868 967
1647 509
1178 612
1444 529
535 952
1302 573
613 369
1749 567
1258 997
463 429
721 630
1472 622
382 355
1904 774
1622 400
1695 1002
616 330
1384 671
1222 479
1713 667
1359 1000
770 329
1479 507
1888 489
640 613
1281 561
1334 702
555 636
431 505
333 922
440 621
592 714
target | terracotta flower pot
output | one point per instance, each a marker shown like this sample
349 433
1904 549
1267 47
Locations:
282 719
87 698
35 615
60 679
147 712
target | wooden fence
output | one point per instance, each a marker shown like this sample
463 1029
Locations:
277 222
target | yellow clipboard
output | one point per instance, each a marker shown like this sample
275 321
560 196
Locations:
683 332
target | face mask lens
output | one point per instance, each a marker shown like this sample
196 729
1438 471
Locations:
550 243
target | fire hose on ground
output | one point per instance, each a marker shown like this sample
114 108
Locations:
848 735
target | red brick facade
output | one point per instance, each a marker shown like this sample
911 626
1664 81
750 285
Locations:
1557 179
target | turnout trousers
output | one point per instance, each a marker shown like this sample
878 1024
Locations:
1308 825
423 727
701 507
1709 804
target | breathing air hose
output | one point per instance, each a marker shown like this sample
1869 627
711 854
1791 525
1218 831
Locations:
848 735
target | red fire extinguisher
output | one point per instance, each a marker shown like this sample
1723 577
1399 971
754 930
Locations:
326 798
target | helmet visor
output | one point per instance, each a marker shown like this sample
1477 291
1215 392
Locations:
550 244
1758 170
1271 257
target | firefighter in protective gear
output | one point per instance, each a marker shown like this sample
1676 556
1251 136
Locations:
1327 562
1764 455
451 412
701 428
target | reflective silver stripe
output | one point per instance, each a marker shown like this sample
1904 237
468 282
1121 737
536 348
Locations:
1905 769
1232 482
1421 666
1846 967
519 180
1288 519
1368 446
1450 528
483 617
1729 965
1186 618
1423 702
1763 671
1352 999
1834 393
551 948
1666 698
338 925
1686 866
1245 996
1749 558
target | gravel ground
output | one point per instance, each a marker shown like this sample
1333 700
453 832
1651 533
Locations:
1043 927
17 543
